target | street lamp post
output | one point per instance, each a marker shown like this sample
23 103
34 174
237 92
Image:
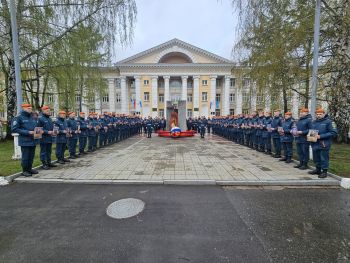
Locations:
16 54
315 58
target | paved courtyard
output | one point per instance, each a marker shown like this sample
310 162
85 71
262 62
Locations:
212 160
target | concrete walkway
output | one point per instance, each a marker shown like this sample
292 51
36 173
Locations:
212 160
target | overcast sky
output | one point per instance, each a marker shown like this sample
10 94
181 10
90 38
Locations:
208 24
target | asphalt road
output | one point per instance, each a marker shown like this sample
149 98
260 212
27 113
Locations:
67 223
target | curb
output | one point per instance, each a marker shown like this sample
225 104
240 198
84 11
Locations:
316 182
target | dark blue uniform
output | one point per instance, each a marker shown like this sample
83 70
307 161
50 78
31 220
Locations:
23 124
287 140
275 123
266 134
46 141
320 149
61 139
83 126
303 125
73 140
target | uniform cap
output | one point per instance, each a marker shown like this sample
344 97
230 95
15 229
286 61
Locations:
304 110
26 105
71 112
82 112
61 112
45 107
288 113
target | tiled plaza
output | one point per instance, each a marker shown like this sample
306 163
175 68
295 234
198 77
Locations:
166 160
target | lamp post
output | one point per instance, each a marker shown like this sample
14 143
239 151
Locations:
315 58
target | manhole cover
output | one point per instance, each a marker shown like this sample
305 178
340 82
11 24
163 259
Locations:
125 208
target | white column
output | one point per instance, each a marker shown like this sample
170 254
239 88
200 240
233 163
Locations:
111 95
138 92
212 94
195 97
123 95
226 98
154 96
295 104
166 93
239 100
184 88
267 100
253 97
17 149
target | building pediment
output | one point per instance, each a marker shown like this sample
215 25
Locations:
175 51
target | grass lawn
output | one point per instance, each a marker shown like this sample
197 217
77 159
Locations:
339 159
9 166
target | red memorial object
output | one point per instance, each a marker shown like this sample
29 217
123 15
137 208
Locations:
175 131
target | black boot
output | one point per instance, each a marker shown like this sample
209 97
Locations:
45 166
283 159
316 171
276 156
51 164
323 174
298 165
26 174
304 166
66 160
289 160
33 171
61 162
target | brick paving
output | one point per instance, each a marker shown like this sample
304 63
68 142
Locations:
162 159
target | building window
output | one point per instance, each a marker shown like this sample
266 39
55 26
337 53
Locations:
146 82
161 113
204 82
92 110
161 97
232 82
49 98
217 112
2 114
246 82
232 97
77 98
117 83
259 98
146 96
232 111
105 98
245 111
218 98
204 96
245 96
189 98
189 113
118 97
91 99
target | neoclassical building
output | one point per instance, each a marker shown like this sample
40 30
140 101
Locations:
172 71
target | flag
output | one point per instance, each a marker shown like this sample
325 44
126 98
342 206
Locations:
140 104
134 104
211 104
217 104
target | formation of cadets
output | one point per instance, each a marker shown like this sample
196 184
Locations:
68 131
272 135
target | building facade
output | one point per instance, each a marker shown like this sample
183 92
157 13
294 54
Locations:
175 70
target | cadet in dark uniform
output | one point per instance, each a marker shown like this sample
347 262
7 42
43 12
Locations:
320 149
287 137
276 138
46 140
202 127
24 125
302 129
83 134
72 125
61 139
266 134
149 127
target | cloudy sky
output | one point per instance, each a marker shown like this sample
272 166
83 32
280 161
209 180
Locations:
208 24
